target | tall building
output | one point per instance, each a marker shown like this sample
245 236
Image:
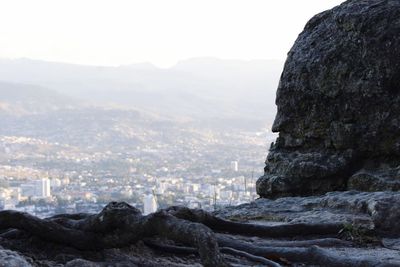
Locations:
42 188
36 188
149 204
234 166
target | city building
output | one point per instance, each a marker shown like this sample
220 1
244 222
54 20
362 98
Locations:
234 166
43 188
36 188
149 204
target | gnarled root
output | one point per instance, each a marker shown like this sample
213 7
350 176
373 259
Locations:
227 250
313 255
119 225
285 230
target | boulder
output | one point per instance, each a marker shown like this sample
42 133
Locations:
338 105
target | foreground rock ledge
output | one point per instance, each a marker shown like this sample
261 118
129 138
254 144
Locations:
337 229
339 104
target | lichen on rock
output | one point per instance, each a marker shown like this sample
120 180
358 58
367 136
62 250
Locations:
339 104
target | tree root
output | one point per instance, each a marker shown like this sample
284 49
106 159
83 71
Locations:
321 242
285 230
119 225
313 255
249 256
227 250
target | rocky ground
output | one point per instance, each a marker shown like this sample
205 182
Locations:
378 211
369 236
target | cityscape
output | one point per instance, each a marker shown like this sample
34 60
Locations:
84 162
74 137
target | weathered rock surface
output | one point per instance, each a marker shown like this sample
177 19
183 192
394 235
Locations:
378 212
339 104
375 210
10 258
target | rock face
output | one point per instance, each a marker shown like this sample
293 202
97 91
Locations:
376 210
339 104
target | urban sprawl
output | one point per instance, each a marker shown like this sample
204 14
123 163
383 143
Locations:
181 166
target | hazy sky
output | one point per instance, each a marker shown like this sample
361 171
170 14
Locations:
113 32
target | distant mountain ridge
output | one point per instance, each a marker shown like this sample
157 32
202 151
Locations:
201 88
21 99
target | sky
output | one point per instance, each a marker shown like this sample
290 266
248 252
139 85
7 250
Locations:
162 32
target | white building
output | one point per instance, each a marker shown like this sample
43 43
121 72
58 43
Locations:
149 204
234 166
43 188
37 188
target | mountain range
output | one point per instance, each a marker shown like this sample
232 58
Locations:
201 89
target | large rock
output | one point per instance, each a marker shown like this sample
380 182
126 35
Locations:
10 258
339 105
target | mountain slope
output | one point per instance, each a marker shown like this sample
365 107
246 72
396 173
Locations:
19 99
204 88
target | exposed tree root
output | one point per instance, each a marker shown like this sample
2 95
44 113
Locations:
321 242
119 225
227 250
286 230
48 230
313 255
249 256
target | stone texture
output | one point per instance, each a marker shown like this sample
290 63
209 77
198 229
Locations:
339 104
10 258
374 210
81 263
378 211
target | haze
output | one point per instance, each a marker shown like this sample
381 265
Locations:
99 32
